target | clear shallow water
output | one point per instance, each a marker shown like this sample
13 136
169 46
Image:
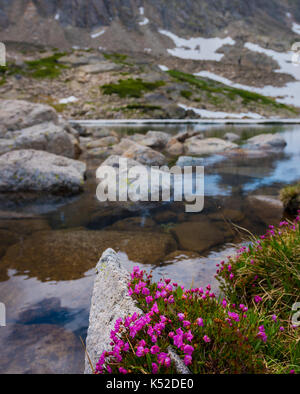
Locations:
46 276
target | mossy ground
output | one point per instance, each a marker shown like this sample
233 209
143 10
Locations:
131 87
216 92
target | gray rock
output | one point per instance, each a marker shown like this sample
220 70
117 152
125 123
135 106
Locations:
100 67
47 137
31 170
102 142
189 161
110 301
195 146
18 114
266 141
144 155
156 139
232 137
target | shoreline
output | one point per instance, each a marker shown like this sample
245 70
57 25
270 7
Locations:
100 122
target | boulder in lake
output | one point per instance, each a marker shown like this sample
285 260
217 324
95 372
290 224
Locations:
47 137
196 146
156 139
266 141
38 171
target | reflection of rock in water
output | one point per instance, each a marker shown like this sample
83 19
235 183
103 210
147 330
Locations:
67 255
40 349
48 311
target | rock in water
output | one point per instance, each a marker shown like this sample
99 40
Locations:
266 141
19 114
47 137
38 171
195 146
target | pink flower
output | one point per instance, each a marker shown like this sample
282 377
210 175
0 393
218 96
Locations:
281 328
155 308
292 371
149 299
188 360
123 370
164 359
154 368
274 318
155 349
188 349
145 291
181 316
206 339
186 323
257 299
200 322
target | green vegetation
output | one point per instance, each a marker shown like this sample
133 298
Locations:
130 87
250 330
290 196
213 87
47 67
187 94
139 107
117 58
266 277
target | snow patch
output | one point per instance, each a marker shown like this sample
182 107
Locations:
163 68
142 10
288 94
57 16
197 48
296 28
68 100
284 59
221 115
98 33
144 22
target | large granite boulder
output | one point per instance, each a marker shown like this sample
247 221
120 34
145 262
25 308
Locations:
38 171
197 147
19 114
107 306
49 137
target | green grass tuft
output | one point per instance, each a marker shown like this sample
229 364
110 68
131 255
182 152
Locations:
130 87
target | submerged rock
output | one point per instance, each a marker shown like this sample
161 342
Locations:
38 171
68 254
198 236
40 349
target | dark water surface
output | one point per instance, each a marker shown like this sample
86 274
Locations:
50 246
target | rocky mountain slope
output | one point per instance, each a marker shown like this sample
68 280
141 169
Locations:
201 56
132 24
